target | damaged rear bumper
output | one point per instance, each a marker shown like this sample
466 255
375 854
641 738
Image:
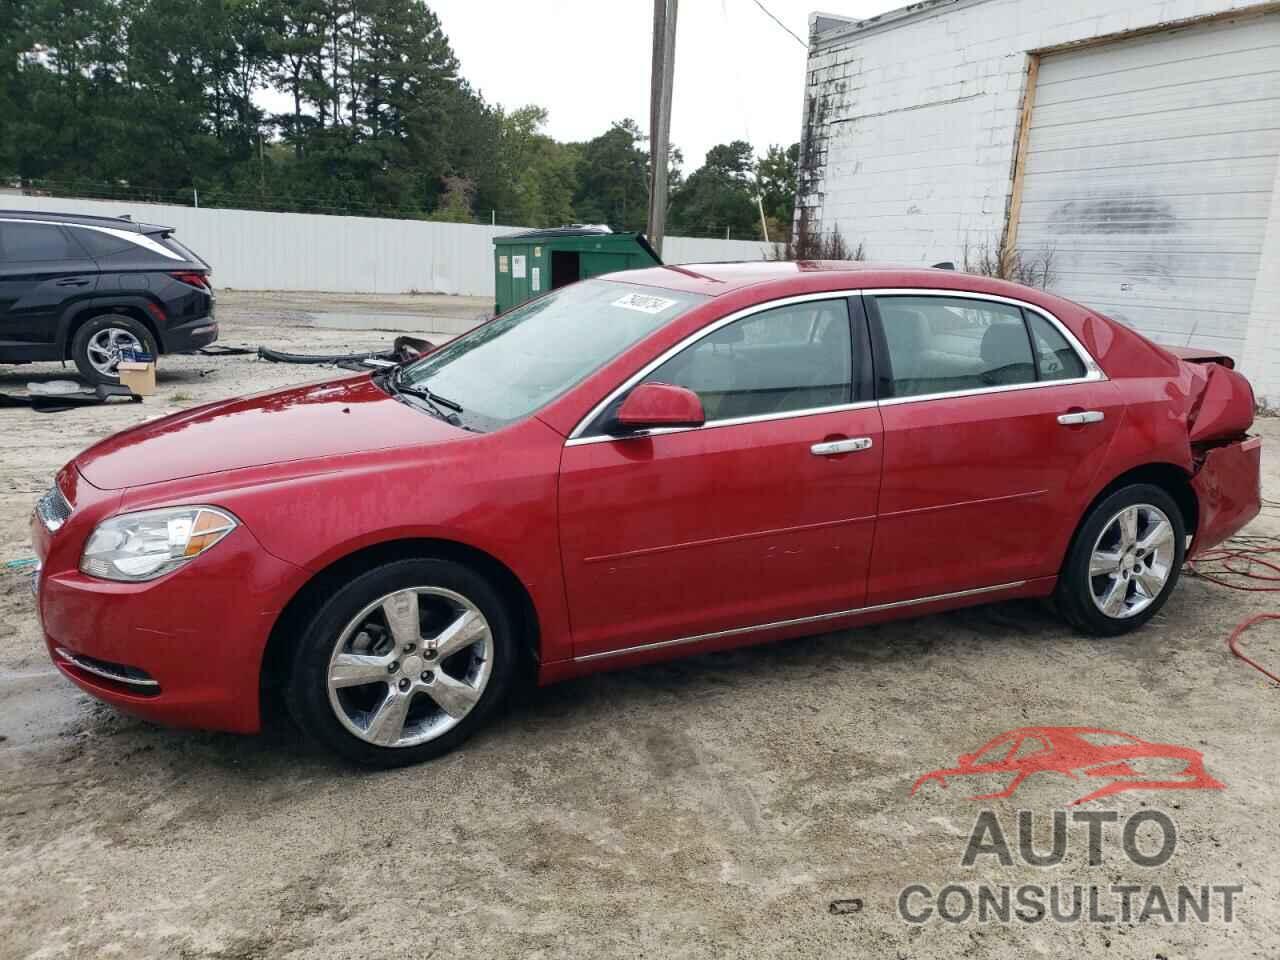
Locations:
1228 485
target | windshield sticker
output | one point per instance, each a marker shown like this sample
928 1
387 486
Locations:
644 303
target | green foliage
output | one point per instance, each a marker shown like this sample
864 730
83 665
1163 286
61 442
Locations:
455 204
613 178
776 174
163 99
719 198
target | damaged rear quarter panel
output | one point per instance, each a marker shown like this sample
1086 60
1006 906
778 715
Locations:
1228 486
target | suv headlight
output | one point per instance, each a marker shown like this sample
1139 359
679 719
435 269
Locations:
143 546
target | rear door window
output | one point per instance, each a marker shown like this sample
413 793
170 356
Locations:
29 241
939 344
1055 359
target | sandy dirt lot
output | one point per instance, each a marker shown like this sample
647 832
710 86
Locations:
716 806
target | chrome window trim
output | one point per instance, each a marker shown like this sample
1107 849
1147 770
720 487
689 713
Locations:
799 621
1093 372
577 433
714 424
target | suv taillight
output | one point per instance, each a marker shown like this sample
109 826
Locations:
192 277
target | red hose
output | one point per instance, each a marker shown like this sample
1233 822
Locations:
1218 566
1233 643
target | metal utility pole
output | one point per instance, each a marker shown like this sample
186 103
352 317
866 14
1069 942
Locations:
664 61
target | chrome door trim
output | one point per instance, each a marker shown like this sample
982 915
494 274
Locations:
798 621
732 422
1093 372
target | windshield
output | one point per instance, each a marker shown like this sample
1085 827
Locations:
506 369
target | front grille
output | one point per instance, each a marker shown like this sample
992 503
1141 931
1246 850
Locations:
53 509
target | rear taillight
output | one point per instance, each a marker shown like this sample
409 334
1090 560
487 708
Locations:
192 278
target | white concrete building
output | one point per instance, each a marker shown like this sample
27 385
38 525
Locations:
1135 140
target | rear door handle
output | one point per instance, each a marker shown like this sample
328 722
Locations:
71 282
1081 416
833 447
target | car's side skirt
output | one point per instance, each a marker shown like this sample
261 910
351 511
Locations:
799 621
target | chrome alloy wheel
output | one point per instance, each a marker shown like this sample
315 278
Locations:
410 666
1131 561
106 347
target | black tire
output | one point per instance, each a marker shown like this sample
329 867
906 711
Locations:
106 321
1075 591
307 690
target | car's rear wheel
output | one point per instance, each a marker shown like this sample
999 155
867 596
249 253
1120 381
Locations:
403 663
99 345
1124 561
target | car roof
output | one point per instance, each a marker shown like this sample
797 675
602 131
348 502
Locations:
89 220
718 279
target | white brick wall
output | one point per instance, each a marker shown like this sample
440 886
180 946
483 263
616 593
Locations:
915 155
911 118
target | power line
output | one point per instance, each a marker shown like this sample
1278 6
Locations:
780 23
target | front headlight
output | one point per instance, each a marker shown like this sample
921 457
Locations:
143 546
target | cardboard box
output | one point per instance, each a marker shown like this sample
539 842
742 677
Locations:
138 376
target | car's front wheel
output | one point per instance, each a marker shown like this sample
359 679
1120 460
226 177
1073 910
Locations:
1124 561
403 663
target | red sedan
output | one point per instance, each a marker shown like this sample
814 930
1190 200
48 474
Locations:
640 466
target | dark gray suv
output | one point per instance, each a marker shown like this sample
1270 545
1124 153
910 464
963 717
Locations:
88 289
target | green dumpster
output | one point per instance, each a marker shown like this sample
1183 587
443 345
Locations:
528 264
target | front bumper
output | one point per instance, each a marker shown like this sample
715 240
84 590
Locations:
198 633
1228 486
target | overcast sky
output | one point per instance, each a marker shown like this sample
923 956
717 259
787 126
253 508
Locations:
738 75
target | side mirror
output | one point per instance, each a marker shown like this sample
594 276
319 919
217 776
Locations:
653 405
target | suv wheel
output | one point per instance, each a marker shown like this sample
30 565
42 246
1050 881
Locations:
403 663
98 345
1124 562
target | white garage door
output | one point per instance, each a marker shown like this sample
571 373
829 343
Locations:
1149 173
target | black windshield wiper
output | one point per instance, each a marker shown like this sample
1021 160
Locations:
424 392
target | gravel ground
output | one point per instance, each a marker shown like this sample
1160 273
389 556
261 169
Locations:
715 806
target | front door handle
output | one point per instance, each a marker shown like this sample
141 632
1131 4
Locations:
71 282
832 448
1081 416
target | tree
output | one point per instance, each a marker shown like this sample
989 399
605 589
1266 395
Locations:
537 174
719 196
776 174
153 99
455 203
613 180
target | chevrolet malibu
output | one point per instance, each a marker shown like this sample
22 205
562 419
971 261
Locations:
640 466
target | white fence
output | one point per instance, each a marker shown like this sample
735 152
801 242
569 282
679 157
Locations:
251 250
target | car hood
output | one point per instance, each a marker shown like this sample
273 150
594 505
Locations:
311 422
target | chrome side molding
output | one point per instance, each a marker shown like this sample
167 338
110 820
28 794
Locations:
798 621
